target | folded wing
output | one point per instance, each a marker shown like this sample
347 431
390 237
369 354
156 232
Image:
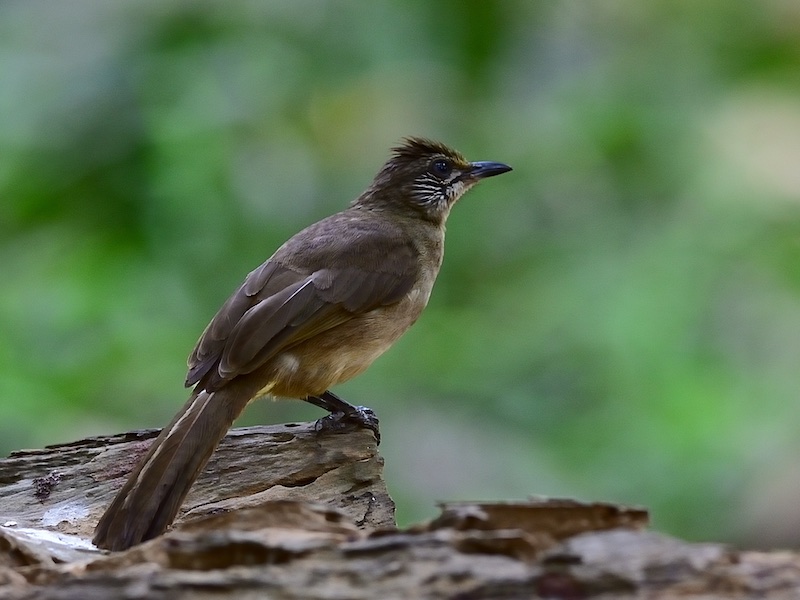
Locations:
281 305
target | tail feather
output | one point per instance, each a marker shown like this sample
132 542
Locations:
148 502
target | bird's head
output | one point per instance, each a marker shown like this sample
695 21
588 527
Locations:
425 178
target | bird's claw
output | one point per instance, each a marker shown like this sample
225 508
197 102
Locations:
359 417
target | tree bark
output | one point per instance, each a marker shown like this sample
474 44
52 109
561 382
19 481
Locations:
282 512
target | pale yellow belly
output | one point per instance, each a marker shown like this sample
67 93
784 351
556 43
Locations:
343 352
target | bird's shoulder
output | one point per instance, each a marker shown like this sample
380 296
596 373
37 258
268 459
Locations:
355 258
351 239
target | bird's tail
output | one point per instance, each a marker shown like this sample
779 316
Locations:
148 502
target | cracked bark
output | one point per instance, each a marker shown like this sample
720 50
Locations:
281 512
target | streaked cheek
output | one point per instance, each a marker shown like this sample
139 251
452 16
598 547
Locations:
457 190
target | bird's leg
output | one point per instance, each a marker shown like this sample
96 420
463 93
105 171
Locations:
343 414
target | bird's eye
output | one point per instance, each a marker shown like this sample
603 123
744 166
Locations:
441 167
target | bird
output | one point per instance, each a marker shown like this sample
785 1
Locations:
317 313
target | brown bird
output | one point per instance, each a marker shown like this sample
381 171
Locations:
331 300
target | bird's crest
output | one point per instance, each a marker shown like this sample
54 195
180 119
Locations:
414 148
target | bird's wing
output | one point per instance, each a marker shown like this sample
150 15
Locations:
295 296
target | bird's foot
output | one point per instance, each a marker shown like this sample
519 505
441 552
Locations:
358 417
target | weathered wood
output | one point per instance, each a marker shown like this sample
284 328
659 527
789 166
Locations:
61 491
283 513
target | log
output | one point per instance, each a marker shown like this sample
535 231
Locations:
283 512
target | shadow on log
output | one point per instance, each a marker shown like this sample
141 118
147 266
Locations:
282 512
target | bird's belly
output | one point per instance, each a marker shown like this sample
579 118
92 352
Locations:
342 352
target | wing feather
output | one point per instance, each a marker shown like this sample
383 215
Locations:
296 295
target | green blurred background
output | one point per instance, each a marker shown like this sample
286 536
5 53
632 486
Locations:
618 319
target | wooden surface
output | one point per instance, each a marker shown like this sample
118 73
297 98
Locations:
281 512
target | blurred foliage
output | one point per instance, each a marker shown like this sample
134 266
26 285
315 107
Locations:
617 319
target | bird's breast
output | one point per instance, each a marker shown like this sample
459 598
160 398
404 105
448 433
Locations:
345 351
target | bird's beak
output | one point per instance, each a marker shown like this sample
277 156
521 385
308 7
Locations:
483 169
